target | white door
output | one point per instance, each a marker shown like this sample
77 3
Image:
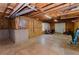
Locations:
60 27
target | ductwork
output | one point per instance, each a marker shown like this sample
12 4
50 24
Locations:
77 8
24 12
25 4
17 8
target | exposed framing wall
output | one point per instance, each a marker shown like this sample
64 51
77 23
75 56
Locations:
76 24
34 26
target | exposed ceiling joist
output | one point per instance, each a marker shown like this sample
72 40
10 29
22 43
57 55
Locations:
70 7
52 9
64 10
3 15
48 6
52 6
41 10
41 5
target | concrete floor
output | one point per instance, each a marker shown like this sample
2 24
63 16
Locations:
42 45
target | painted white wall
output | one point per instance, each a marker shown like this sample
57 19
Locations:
45 26
60 27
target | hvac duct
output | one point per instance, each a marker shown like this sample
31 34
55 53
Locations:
19 6
24 12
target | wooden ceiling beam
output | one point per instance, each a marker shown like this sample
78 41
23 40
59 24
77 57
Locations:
5 10
52 6
41 10
47 5
54 9
9 7
75 13
56 6
40 5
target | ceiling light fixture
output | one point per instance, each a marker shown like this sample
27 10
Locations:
55 20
